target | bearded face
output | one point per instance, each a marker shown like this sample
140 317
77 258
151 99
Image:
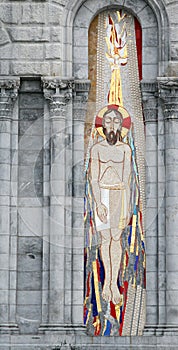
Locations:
112 125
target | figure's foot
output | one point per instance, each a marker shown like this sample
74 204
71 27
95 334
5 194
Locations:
116 297
106 294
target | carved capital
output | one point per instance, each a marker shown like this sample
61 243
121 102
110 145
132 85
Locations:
57 87
58 91
9 88
149 97
168 93
57 83
8 94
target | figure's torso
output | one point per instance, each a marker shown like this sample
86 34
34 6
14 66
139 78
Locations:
111 164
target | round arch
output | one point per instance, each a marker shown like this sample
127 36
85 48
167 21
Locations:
152 17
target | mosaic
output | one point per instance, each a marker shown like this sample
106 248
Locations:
114 296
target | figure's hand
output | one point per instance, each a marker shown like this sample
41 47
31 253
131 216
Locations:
102 212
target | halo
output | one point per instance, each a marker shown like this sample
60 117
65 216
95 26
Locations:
126 124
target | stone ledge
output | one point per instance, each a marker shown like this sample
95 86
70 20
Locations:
74 340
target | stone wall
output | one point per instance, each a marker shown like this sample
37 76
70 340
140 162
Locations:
43 94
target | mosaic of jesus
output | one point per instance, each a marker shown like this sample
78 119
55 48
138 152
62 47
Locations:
114 203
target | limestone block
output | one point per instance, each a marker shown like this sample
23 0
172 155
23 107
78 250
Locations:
78 189
56 68
85 14
172 69
33 13
28 157
78 280
27 51
4 67
80 37
95 7
147 17
151 298
172 188
172 314
150 71
4 220
172 298
78 242
150 55
4 279
172 263
57 260
29 262
56 34
151 173
28 114
80 54
28 142
151 280
78 260
4 38
10 13
171 202
30 221
29 281
174 52
81 70
151 260
172 9
5 156
172 142
31 127
29 297
30 68
33 34
151 315
31 312
4 261
172 282
137 6
151 158
77 313
174 32
3 297
53 51
77 297
54 14
4 140
171 128
149 37
34 101
3 313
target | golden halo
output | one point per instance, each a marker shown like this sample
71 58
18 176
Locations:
125 115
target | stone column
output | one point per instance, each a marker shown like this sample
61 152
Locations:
155 235
79 115
8 203
168 90
57 244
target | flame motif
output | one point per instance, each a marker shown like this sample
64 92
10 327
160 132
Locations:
116 41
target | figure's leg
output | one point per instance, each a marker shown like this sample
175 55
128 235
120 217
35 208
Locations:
116 254
105 253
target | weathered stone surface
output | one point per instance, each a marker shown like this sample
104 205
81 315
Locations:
29 281
33 13
28 34
53 51
10 13
54 14
30 68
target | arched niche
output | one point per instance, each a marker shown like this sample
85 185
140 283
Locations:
152 17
